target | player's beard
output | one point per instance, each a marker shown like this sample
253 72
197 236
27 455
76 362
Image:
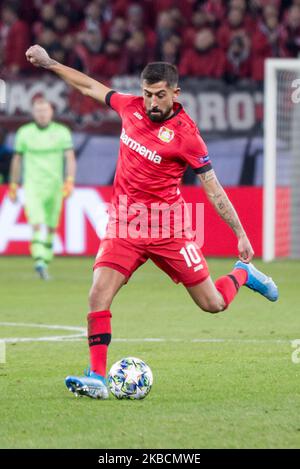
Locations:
159 116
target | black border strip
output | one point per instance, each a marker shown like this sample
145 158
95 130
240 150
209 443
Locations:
203 169
108 97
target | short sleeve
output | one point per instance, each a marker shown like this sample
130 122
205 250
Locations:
67 143
196 153
118 101
20 144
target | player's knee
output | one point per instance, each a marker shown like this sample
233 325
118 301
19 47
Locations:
211 306
100 297
214 308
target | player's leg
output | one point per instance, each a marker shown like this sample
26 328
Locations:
206 296
183 260
49 245
214 297
36 244
35 216
116 261
106 283
52 208
38 252
186 264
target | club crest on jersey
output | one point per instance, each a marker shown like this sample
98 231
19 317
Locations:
165 134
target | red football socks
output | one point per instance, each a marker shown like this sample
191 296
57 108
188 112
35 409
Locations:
99 336
229 285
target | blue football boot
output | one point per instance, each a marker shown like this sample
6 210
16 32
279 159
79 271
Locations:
91 385
258 281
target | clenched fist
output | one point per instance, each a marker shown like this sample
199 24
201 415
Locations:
38 57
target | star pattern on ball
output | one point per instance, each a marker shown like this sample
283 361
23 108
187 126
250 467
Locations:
132 374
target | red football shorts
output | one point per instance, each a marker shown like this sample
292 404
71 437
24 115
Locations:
180 258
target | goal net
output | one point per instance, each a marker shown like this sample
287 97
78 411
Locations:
281 215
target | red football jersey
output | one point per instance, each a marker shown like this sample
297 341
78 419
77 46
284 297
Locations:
154 155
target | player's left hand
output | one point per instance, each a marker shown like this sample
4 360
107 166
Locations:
68 187
13 192
246 252
38 56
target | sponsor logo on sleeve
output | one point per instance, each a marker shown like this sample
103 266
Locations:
203 159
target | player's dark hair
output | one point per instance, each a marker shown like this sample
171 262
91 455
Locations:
160 71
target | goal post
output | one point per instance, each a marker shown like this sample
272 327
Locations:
281 182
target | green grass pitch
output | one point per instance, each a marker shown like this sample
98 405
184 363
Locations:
236 387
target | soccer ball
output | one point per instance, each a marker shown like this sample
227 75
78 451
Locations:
130 378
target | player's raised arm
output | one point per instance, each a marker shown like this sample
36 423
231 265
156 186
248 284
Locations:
224 207
86 85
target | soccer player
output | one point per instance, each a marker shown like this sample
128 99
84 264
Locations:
158 141
43 145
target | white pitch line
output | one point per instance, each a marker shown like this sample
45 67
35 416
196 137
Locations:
81 335
57 338
212 340
191 341
45 326
81 332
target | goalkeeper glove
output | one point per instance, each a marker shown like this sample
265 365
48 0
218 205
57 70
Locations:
12 191
68 187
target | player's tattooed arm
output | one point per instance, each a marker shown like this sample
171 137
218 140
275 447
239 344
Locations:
220 201
38 56
225 209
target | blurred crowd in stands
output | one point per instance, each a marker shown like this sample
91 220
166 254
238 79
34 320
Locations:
208 38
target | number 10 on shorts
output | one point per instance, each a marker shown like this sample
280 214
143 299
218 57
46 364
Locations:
191 257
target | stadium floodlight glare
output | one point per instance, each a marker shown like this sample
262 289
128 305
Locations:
281 200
